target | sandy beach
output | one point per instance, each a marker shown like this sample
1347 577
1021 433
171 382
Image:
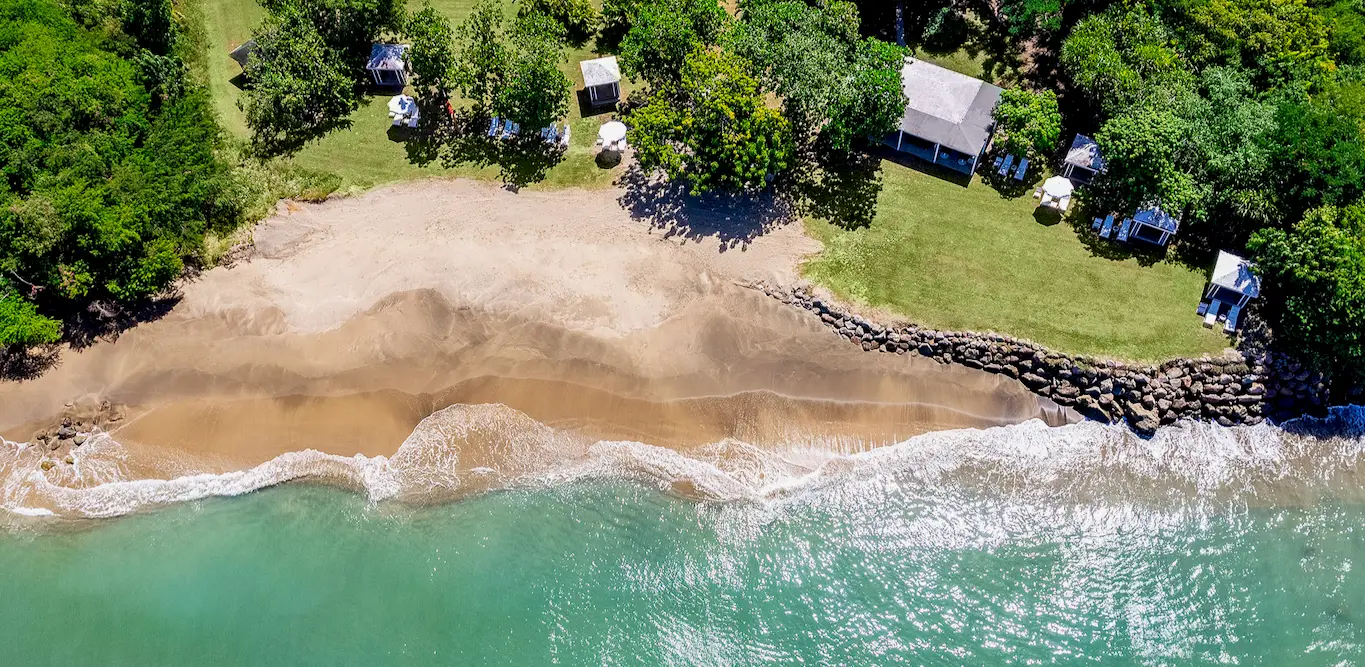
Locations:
356 318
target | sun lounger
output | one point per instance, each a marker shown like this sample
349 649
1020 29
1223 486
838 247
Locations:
1023 169
1203 308
493 127
1231 324
1038 193
999 160
1107 228
397 121
1063 203
564 138
412 122
1123 229
1095 225
1009 162
1211 315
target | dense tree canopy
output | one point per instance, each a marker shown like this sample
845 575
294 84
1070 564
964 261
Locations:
533 91
577 17
712 130
1028 122
1123 56
664 33
1316 272
432 53
299 86
105 193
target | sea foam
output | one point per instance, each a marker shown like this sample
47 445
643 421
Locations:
471 448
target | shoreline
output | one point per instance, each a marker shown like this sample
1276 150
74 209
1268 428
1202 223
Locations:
1234 389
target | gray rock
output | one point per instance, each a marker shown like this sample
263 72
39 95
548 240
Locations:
1142 419
80 439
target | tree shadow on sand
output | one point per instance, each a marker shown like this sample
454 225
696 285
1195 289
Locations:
461 140
735 220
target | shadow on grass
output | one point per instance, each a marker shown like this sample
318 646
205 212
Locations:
839 187
735 220
923 166
1047 216
461 139
587 108
1146 254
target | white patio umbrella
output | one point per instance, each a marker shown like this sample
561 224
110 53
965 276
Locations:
612 132
401 105
1058 187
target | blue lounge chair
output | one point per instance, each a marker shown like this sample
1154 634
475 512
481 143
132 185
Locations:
1095 225
1123 229
493 127
1023 169
999 159
1107 228
1009 162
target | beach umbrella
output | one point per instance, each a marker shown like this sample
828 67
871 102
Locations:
401 105
612 132
1058 187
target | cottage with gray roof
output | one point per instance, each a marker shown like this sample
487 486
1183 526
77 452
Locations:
949 116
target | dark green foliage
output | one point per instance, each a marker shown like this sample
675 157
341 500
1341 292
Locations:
1028 17
1345 20
577 17
1028 123
150 23
665 32
300 87
1122 57
830 80
1316 276
533 91
515 75
432 56
107 187
711 130
1316 155
349 28
1280 39
618 16
20 323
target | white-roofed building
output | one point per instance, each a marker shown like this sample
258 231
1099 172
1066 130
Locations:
948 117
1233 284
1083 160
388 65
602 80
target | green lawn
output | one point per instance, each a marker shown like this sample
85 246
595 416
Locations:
364 155
969 259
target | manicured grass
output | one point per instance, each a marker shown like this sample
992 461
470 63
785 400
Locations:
364 155
970 259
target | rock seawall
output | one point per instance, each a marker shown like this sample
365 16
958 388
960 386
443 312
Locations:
1229 390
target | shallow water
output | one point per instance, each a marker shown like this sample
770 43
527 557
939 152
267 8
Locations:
1014 545
866 572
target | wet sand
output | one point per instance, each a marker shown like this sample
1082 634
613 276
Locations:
360 317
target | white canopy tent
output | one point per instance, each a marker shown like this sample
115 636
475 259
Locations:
1057 192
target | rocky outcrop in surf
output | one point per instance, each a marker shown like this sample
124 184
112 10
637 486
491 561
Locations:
1229 390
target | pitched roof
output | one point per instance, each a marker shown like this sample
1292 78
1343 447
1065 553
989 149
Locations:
1234 273
1085 153
1153 216
600 72
241 53
387 57
947 108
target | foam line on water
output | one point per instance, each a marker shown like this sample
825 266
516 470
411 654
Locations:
469 448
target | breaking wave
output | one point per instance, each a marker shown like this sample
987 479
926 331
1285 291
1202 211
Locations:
466 449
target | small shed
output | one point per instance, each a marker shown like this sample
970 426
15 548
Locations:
602 80
1083 160
388 65
243 52
1154 225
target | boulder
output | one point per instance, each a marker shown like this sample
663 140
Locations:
1033 380
1142 419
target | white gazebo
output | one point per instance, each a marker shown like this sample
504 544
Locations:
1233 284
388 65
602 80
1153 225
1083 160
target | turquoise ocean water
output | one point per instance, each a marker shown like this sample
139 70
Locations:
884 564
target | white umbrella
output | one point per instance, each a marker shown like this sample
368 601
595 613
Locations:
401 105
1058 187
612 132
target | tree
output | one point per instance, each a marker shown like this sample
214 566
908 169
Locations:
1144 149
300 87
1123 56
534 92
577 17
349 28
1028 122
20 323
1316 156
1316 273
1275 37
481 62
711 130
150 23
618 17
432 52
830 81
663 33
1025 18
